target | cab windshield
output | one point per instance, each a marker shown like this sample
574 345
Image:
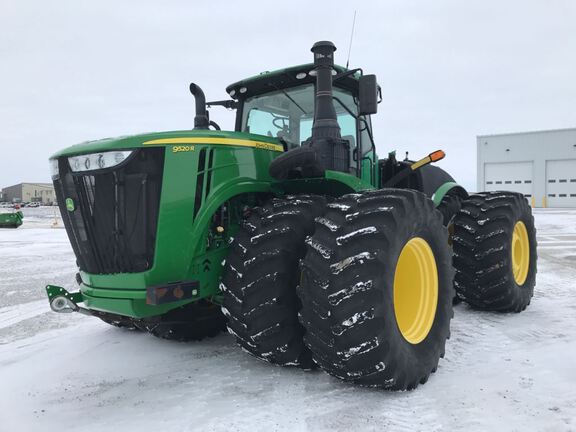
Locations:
288 114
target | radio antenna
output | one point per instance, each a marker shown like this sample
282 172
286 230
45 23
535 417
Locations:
351 37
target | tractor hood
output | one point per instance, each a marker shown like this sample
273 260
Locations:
185 137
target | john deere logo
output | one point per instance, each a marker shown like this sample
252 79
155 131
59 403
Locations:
70 204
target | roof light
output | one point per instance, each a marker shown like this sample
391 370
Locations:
314 73
54 167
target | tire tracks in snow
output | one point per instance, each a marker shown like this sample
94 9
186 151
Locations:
394 412
12 315
473 332
476 332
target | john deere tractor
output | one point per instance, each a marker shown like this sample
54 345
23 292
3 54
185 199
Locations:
289 232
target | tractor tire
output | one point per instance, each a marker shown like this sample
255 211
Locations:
260 278
377 288
449 207
192 322
121 322
495 252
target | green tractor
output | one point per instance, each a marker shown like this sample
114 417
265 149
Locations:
289 232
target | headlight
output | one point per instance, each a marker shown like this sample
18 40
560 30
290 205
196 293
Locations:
54 167
97 161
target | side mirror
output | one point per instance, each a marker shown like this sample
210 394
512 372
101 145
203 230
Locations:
368 95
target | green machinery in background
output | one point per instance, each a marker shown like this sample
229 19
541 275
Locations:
290 232
11 220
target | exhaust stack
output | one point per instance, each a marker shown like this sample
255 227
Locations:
201 120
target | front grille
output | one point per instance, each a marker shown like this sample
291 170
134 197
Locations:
112 228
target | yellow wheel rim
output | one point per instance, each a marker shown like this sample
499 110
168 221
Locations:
520 253
415 290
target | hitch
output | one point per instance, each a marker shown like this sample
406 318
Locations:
62 301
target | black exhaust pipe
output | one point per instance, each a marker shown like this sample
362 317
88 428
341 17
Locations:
201 120
325 123
325 149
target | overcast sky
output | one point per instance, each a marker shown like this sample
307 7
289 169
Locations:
78 70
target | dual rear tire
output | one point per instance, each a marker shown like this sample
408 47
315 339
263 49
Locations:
495 254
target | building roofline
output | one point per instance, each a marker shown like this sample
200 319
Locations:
30 183
527 132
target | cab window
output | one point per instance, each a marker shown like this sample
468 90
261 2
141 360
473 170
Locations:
289 114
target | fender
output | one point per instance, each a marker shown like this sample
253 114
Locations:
221 194
447 187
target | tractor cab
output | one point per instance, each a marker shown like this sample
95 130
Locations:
281 105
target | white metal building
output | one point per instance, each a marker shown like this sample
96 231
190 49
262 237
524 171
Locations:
541 165
29 192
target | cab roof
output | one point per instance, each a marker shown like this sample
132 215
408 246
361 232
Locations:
285 78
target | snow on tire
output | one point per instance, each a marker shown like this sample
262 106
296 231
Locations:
495 252
351 290
260 278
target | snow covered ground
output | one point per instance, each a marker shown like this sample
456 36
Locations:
502 372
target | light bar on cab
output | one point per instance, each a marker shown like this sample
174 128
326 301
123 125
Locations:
97 161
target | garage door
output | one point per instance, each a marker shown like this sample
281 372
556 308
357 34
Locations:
561 183
513 176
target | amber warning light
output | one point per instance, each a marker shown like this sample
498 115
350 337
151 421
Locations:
432 157
437 155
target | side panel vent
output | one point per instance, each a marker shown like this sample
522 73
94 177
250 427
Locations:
204 177
209 173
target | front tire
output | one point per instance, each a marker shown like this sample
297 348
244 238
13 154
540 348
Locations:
260 278
377 289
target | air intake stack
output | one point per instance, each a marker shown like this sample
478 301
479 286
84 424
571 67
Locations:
325 149
325 123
